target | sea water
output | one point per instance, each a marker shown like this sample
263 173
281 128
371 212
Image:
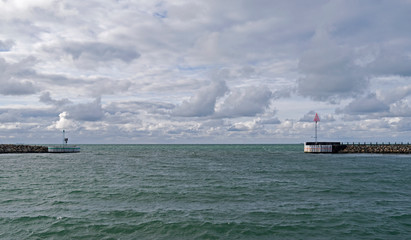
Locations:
204 192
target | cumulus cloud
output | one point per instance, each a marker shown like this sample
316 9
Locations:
108 87
86 111
393 95
100 52
329 71
46 98
239 127
400 109
135 107
391 60
203 102
91 111
16 78
10 116
345 54
404 125
269 121
151 63
64 122
15 87
6 45
245 102
309 117
366 105
92 54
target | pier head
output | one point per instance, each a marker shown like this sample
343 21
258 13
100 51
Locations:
322 147
337 147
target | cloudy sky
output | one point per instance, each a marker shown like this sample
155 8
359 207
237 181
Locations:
206 71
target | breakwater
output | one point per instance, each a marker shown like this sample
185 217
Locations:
11 148
337 147
374 148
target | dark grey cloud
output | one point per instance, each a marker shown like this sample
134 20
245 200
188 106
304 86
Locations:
136 107
62 80
46 98
393 60
17 88
360 41
329 71
10 116
404 125
93 87
17 78
92 111
272 121
40 116
366 105
99 52
108 87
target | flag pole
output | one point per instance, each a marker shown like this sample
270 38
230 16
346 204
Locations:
316 120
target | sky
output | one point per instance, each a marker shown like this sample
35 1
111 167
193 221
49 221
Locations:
205 71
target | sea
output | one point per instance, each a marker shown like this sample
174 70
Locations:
204 192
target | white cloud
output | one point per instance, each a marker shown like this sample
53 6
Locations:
204 71
203 102
245 102
64 123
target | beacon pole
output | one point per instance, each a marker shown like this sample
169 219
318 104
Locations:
316 120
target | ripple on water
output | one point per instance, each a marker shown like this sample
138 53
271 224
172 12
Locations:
204 192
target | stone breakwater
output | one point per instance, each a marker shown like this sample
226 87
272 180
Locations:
375 148
11 148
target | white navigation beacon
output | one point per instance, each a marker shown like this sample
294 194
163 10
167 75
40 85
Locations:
320 147
64 148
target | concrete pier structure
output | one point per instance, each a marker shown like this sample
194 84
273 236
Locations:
337 147
322 147
64 149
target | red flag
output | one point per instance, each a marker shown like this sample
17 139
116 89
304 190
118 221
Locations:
316 118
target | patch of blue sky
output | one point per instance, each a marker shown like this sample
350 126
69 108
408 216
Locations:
187 68
18 102
160 14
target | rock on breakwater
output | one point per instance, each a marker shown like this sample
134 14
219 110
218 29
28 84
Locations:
375 148
11 148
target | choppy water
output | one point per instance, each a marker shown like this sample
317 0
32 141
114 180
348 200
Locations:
204 192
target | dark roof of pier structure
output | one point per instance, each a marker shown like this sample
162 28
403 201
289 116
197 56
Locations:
322 143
